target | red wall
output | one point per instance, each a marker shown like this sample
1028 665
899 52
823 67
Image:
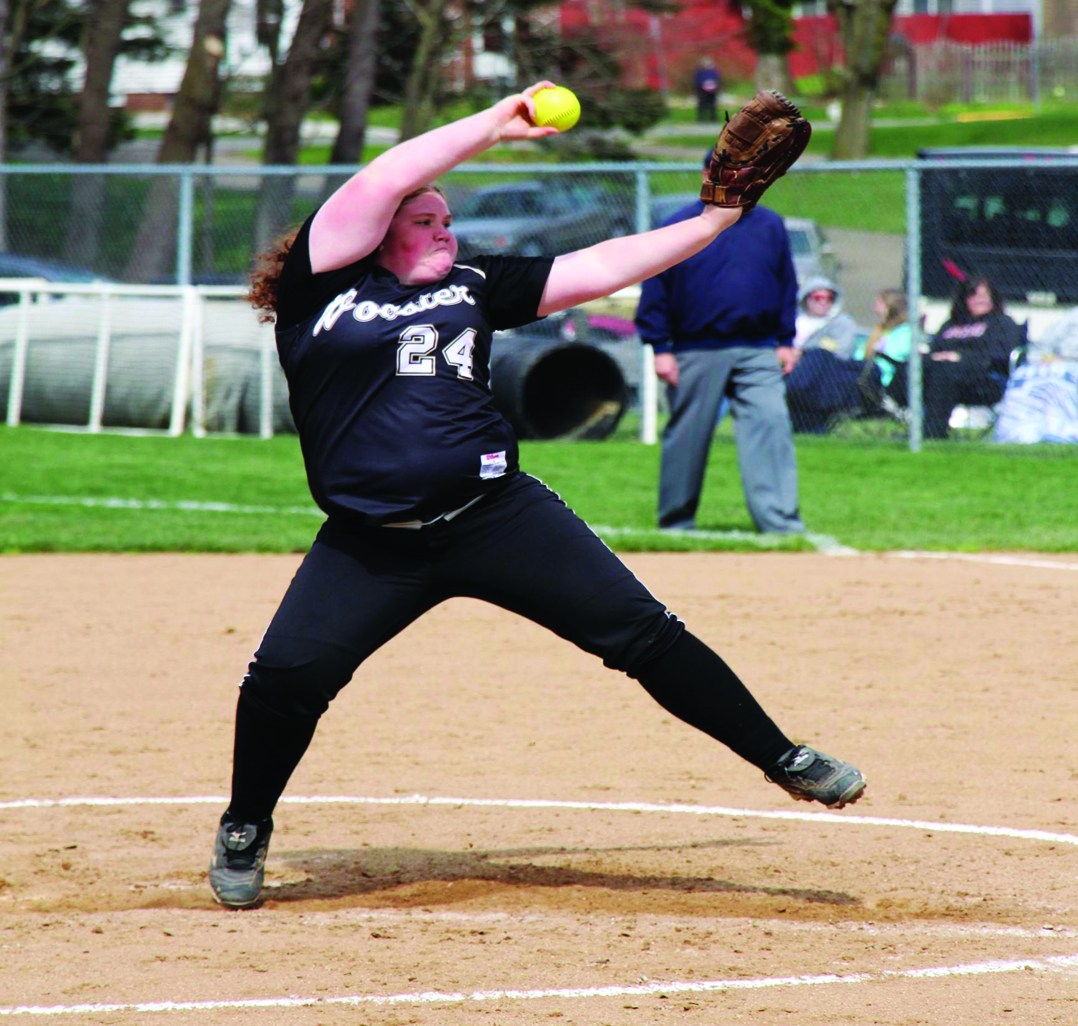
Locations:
702 28
713 28
819 43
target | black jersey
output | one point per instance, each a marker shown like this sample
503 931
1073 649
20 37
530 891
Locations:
389 384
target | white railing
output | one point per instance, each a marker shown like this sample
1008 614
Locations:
188 395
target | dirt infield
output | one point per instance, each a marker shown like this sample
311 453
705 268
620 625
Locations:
953 684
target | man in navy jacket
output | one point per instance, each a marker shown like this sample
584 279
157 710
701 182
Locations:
706 83
722 324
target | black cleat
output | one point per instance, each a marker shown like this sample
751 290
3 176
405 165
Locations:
239 861
811 776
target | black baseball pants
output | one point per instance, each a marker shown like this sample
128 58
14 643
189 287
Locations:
520 548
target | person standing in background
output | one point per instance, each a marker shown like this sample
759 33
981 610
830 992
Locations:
722 323
706 84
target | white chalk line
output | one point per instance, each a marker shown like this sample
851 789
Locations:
186 505
1050 963
823 543
979 557
543 803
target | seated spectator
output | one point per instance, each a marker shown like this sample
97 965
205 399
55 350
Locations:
968 359
824 381
835 376
885 350
821 321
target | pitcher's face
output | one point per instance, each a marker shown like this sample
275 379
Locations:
419 248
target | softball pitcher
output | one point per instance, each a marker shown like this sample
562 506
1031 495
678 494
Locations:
385 341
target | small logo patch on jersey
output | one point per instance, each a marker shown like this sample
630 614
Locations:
492 464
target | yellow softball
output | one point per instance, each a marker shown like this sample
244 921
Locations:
556 106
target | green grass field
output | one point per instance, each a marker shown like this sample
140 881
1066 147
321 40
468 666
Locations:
56 492
898 142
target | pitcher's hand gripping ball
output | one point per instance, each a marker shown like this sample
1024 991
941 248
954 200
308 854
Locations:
756 146
557 107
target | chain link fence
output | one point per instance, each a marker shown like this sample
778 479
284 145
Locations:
882 238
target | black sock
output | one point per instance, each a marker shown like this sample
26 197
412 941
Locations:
268 748
695 684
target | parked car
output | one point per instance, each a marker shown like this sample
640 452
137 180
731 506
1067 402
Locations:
538 218
12 265
812 253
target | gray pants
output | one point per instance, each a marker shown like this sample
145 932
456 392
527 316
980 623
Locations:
752 378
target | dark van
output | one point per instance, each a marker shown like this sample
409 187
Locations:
1017 226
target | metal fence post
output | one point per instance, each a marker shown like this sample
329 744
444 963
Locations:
647 392
266 359
197 363
913 302
18 361
191 306
101 362
643 200
185 230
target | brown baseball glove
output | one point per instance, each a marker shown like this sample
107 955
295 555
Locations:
756 146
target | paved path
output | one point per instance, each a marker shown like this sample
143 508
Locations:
869 261
236 144
691 128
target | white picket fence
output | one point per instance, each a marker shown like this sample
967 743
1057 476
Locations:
945 72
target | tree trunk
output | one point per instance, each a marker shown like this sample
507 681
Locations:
101 44
268 16
362 42
865 26
522 51
421 89
192 113
771 72
207 255
355 100
855 123
289 96
5 69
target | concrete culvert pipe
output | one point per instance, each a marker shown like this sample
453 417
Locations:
554 389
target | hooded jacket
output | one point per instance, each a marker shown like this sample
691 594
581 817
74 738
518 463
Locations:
837 332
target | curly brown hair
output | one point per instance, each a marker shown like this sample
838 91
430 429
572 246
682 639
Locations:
262 294
266 276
